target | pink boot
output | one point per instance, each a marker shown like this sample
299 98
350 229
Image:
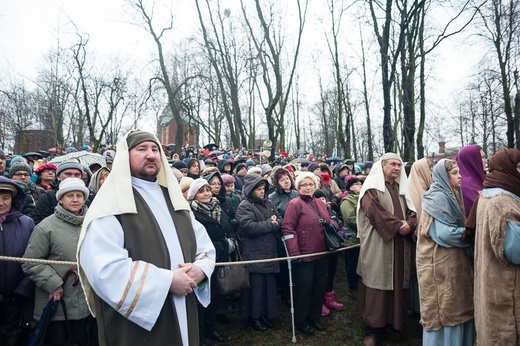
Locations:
324 311
331 303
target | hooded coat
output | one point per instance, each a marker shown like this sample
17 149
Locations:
257 233
225 202
16 230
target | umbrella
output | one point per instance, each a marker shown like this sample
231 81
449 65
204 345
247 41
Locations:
69 150
210 146
44 153
299 160
33 155
301 152
334 159
84 157
216 153
52 150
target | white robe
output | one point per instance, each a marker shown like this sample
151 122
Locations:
110 269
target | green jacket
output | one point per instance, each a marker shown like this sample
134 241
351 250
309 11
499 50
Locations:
348 211
56 238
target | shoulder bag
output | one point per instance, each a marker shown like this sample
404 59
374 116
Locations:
332 238
232 278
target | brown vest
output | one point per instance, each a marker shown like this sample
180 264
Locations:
144 241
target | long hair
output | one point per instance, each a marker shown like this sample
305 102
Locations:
449 165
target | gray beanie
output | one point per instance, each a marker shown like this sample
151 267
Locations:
19 166
69 165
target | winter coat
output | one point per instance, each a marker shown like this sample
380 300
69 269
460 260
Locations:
56 238
15 286
219 232
257 233
301 221
348 211
279 196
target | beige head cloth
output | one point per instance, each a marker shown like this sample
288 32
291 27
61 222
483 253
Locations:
116 197
376 180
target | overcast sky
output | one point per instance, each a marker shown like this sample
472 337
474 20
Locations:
29 28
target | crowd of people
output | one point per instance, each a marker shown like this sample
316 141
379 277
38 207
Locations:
437 237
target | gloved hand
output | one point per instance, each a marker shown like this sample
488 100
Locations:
231 245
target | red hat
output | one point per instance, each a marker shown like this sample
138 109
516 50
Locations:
44 167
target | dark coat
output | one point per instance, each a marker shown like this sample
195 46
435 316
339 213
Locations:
257 234
15 287
279 196
46 204
218 232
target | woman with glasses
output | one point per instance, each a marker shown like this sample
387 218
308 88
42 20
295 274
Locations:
21 172
307 236
46 174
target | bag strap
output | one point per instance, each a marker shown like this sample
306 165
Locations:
315 212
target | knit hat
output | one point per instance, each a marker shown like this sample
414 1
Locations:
368 164
239 167
196 185
185 183
45 166
319 193
178 174
250 163
9 187
16 159
227 179
313 167
138 136
180 165
266 169
19 167
69 165
71 184
304 175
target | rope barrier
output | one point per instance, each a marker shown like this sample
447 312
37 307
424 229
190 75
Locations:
219 264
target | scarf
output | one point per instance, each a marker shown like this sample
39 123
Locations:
211 209
439 201
470 164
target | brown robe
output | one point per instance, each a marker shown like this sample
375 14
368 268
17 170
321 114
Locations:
379 308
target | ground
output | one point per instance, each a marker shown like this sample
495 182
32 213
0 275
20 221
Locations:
343 327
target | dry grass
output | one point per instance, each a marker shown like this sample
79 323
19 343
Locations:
343 327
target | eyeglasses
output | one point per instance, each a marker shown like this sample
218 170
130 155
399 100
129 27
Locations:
21 175
307 185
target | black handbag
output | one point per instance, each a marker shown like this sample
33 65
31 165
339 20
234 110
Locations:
232 278
332 238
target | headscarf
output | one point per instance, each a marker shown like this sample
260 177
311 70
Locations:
419 182
470 164
96 177
116 197
503 172
376 180
439 201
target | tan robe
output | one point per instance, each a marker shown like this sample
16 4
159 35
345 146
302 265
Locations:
497 281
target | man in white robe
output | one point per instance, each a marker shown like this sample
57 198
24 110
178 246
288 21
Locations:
134 288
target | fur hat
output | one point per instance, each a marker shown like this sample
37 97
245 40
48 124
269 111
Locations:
195 186
19 166
185 183
304 175
312 167
72 184
256 170
227 179
69 165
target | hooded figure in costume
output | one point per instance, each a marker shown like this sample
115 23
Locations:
497 259
386 220
138 242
